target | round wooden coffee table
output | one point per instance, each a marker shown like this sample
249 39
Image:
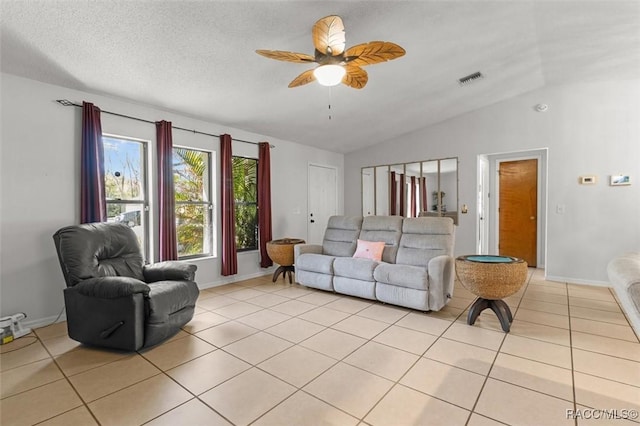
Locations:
281 252
491 278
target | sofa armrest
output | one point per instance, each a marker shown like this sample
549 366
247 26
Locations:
441 271
111 287
171 270
300 249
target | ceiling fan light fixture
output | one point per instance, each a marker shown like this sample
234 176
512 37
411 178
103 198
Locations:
329 75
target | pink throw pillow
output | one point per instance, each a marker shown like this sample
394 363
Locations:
369 250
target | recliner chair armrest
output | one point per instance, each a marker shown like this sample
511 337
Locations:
111 287
170 270
300 249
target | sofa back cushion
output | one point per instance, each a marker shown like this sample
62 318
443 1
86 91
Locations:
387 229
424 238
341 236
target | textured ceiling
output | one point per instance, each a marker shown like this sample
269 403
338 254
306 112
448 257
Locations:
197 58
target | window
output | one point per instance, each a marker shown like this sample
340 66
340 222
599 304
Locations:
245 193
192 184
126 185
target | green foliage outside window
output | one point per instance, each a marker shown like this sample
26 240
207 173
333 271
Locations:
245 193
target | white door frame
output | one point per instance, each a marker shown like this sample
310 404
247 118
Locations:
325 166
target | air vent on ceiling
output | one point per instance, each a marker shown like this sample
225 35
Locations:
464 81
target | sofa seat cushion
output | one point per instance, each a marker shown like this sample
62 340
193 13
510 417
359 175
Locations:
402 275
320 263
353 267
169 297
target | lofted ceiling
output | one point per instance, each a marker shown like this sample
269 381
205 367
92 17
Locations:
198 58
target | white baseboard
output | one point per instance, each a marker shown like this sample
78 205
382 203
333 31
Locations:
43 322
570 280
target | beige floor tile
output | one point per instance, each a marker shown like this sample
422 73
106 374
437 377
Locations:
54 330
227 288
602 305
294 291
544 296
604 394
462 355
604 329
203 321
349 305
77 417
518 406
264 319
537 350
487 320
454 385
406 339
297 365
539 306
302 409
599 315
590 292
462 293
384 313
544 318
86 357
256 348
350 389
424 323
323 316
319 298
545 333
247 396
448 313
28 376
404 406
271 287
237 310
360 326
607 367
15 356
606 345
606 417
295 330
478 420
560 290
293 307
544 378
382 360
193 412
172 354
60 344
267 300
140 403
477 336
208 371
198 310
216 302
224 334
101 381
333 343
460 303
245 293
38 404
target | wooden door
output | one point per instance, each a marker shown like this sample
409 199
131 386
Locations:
518 210
322 201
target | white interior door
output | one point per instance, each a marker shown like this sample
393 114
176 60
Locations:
322 201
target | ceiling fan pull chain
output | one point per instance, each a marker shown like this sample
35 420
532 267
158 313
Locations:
329 103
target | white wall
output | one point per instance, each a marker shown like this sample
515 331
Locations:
590 129
40 154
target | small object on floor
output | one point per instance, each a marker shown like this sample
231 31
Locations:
281 252
491 278
11 328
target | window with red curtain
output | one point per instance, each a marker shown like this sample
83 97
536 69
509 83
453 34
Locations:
264 202
229 255
168 245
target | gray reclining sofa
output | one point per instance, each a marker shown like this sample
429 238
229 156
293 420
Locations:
417 267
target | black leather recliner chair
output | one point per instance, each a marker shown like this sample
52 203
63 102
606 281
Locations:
112 298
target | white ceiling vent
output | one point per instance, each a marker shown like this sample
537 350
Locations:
465 81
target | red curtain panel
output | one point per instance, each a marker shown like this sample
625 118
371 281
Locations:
403 194
229 254
423 194
413 193
93 202
168 244
264 202
392 197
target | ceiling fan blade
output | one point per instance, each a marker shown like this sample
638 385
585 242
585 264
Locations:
328 35
281 55
373 53
355 77
304 78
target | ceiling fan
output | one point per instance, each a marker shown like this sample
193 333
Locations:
335 64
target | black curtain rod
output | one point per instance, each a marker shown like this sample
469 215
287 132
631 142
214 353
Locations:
66 102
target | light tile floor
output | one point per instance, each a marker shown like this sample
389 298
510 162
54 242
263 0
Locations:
278 354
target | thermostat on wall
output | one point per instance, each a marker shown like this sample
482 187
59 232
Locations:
587 180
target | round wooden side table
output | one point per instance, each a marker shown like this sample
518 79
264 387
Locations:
281 252
491 278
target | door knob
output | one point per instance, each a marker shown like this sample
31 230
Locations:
312 221
532 217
